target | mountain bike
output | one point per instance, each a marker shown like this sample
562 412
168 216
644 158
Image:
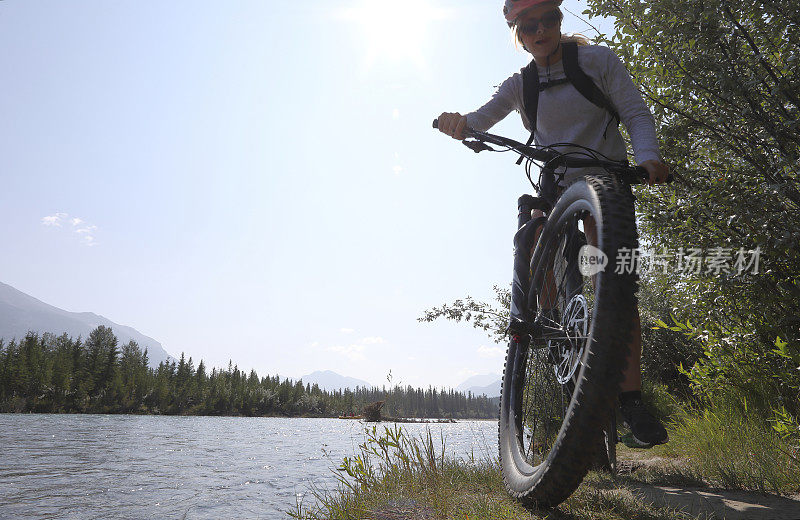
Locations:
575 312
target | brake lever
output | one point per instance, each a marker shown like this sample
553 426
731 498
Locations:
642 176
477 146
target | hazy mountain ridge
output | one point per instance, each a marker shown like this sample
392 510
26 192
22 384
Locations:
483 384
21 313
329 380
479 380
490 390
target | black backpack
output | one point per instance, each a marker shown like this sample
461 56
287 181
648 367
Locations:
575 75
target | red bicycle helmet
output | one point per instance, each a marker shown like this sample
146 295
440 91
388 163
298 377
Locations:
512 8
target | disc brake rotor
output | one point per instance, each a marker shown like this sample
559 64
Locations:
568 352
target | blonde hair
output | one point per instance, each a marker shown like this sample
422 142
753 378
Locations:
578 38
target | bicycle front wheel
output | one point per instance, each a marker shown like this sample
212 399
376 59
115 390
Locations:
559 390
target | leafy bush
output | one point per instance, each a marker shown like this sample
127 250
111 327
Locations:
735 364
721 78
663 351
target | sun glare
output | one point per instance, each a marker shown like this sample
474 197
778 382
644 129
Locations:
396 31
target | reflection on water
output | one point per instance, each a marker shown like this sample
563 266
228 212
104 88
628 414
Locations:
145 467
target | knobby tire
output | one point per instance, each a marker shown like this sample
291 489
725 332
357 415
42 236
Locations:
548 471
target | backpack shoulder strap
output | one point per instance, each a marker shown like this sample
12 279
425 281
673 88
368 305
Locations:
582 82
530 92
530 97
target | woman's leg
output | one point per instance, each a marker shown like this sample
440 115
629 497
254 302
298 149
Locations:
645 428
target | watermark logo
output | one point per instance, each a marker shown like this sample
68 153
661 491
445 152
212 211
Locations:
591 260
715 261
691 261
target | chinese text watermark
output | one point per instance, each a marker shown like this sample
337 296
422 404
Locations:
690 261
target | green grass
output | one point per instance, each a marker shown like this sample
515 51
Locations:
729 448
725 445
395 476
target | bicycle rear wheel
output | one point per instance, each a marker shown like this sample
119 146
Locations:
558 391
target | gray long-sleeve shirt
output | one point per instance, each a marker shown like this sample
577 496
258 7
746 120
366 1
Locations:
565 116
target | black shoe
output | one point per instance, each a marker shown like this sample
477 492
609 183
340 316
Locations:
646 430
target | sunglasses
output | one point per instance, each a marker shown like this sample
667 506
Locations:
548 21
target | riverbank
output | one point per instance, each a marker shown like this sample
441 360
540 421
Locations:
600 497
410 420
400 478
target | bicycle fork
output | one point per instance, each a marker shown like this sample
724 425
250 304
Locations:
524 304
522 313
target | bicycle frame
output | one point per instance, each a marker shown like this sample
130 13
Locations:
576 342
568 328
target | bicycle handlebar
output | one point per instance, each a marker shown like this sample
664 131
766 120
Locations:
554 159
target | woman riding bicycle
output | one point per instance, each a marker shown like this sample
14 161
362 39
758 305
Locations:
565 115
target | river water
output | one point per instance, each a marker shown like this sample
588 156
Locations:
155 467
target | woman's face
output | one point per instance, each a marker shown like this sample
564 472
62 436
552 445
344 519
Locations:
539 28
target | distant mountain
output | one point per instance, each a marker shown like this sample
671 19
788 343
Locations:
329 380
479 380
484 384
20 313
491 390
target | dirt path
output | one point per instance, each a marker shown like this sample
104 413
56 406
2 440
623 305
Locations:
704 502
645 483
728 505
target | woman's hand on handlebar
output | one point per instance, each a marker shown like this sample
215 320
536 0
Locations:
453 124
658 171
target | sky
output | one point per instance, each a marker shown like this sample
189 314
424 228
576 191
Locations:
259 181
